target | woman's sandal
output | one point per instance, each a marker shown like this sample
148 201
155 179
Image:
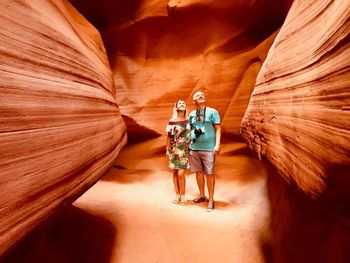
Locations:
176 199
183 200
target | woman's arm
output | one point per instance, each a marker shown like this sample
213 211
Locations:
167 145
168 139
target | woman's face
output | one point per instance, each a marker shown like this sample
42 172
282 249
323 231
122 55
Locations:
181 105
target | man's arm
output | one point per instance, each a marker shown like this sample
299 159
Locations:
218 137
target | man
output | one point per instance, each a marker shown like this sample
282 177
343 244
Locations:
205 143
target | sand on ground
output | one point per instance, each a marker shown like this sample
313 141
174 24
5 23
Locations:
135 197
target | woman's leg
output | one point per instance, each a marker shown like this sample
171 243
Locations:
176 182
182 181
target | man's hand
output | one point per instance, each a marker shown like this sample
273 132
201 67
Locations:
217 138
217 149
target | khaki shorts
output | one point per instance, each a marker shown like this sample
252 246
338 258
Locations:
202 161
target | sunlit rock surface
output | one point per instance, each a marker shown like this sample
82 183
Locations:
161 51
60 126
56 82
298 117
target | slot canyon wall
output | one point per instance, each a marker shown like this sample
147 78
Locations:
61 128
161 51
298 119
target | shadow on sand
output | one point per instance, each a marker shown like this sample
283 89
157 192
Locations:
71 235
124 175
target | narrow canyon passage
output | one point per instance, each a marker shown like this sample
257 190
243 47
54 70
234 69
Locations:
135 197
82 78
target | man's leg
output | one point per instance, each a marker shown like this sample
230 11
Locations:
200 183
197 167
211 186
209 161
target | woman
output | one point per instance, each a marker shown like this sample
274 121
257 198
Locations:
177 149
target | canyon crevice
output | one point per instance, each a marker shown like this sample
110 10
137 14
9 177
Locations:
77 81
61 128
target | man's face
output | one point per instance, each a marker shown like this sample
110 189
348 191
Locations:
198 97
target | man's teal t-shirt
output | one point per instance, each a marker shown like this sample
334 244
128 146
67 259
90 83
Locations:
206 141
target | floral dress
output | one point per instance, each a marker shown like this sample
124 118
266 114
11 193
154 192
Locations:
179 133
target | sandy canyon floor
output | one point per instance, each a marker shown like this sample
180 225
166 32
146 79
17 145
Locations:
134 197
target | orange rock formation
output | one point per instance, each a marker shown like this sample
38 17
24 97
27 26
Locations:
298 116
298 119
60 126
163 50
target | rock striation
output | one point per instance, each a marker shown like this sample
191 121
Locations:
298 116
60 126
298 120
161 51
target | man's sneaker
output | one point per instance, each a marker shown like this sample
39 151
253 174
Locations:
183 200
198 200
176 199
211 206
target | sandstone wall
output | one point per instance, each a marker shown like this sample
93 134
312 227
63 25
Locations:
60 127
298 117
298 120
161 51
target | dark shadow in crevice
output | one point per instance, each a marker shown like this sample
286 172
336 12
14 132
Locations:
266 249
119 167
137 133
127 175
336 197
106 13
305 230
71 235
243 150
231 137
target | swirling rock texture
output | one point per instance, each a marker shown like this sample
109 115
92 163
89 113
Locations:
60 127
161 51
298 119
298 115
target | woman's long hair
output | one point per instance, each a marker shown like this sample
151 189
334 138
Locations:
175 112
